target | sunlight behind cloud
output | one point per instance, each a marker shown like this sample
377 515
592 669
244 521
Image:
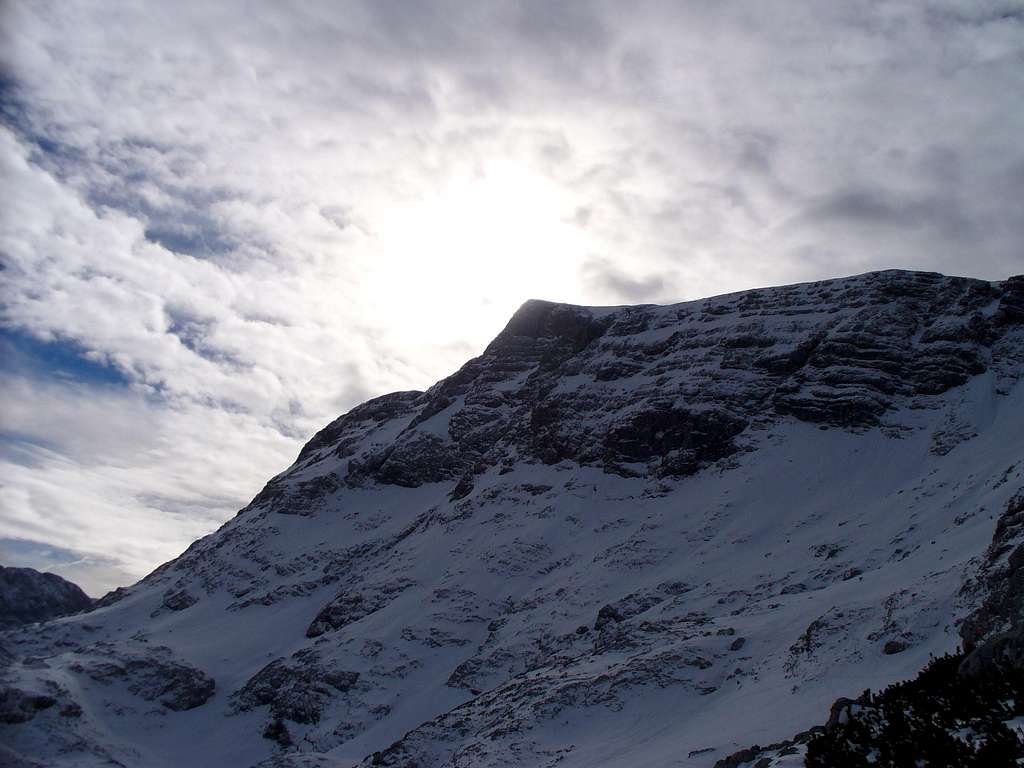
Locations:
498 237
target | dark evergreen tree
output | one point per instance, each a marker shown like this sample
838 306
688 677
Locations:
941 719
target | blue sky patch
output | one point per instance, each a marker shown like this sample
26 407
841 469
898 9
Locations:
24 354
21 553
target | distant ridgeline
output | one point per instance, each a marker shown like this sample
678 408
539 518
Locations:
27 595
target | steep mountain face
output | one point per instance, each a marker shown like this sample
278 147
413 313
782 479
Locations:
28 595
637 536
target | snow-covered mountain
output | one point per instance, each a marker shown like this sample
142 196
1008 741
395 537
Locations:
28 595
628 536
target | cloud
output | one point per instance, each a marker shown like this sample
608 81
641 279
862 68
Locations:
117 478
871 211
256 216
93 574
606 279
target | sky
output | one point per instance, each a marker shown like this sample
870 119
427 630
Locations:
225 224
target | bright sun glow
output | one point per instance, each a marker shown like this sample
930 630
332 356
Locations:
459 263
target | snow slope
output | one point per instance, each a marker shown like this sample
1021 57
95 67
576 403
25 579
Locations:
632 536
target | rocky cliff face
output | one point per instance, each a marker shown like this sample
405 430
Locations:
28 595
994 631
664 391
621 536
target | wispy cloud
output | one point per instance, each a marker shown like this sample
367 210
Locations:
254 216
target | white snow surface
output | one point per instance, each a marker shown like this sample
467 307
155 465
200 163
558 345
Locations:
814 544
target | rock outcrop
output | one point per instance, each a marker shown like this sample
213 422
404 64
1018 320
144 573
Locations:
669 390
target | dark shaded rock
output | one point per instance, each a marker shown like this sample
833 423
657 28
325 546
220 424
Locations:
740 757
26 595
296 691
341 611
465 674
349 607
178 687
357 423
765 756
1000 579
277 594
417 458
1011 303
179 601
607 614
276 730
547 320
174 685
682 438
737 644
865 361
340 439
1003 650
839 712
892 647
633 604
18 706
462 488
114 596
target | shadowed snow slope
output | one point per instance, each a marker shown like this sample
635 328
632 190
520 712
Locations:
631 536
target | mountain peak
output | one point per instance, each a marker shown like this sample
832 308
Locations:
538 319
592 544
